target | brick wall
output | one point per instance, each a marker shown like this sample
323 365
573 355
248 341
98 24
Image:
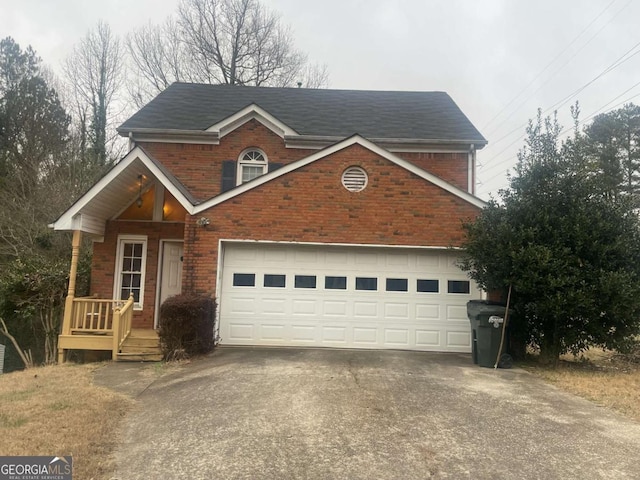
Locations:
104 260
199 167
307 205
311 205
452 167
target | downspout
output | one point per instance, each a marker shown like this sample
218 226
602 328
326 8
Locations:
471 170
132 144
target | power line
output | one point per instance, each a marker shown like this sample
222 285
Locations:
548 65
512 157
619 61
560 68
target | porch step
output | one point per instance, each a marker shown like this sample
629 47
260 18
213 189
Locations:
139 357
142 345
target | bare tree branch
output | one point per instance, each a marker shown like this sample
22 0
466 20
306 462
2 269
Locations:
94 69
235 42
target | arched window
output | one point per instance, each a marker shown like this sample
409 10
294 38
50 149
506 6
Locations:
251 164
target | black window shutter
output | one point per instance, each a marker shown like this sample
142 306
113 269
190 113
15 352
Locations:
275 166
228 175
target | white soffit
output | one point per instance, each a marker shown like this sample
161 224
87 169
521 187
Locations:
119 186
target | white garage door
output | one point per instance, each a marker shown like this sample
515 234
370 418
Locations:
349 297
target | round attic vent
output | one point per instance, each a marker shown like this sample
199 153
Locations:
354 179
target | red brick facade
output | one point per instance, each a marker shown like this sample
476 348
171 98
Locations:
311 205
104 262
306 205
199 167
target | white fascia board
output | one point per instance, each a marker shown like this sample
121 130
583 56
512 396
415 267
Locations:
224 241
355 139
252 112
68 220
170 135
391 144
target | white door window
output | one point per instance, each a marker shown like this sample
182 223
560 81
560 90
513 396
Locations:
130 269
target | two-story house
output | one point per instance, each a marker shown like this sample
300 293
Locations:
321 218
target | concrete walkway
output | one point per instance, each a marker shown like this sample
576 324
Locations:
331 414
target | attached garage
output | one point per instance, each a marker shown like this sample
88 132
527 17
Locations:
344 297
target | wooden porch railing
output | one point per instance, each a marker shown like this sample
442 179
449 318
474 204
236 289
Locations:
93 323
122 317
91 315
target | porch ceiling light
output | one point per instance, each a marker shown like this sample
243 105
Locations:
139 199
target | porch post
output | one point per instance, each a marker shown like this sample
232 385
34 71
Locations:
71 292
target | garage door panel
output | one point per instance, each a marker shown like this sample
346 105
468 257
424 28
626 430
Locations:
458 339
397 260
335 308
336 258
419 313
398 337
334 334
365 309
272 332
241 331
425 311
271 256
273 306
304 307
428 262
427 338
304 333
396 311
365 336
457 312
243 305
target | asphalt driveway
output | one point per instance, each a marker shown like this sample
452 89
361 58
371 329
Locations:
332 414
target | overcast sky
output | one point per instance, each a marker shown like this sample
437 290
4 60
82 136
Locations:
499 59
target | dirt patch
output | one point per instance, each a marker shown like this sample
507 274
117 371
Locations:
57 410
606 378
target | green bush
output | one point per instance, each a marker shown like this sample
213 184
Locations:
186 326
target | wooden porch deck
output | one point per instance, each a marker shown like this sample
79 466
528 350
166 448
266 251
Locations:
104 324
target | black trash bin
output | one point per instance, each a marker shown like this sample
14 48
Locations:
486 331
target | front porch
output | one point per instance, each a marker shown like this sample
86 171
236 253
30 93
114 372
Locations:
92 323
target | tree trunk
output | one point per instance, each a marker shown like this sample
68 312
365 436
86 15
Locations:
550 350
25 356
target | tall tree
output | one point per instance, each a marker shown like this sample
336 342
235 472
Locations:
236 42
569 249
160 58
40 175
613 139
95 71
33 136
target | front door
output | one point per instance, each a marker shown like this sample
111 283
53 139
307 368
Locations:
170 273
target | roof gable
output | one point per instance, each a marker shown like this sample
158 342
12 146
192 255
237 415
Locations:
104 199
355 139
251 112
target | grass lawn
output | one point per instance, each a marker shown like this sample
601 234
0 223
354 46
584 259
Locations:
602 377
56 410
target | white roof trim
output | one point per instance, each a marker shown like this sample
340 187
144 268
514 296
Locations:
252 112
355 139
68 220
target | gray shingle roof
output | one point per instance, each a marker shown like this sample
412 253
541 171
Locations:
316 112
